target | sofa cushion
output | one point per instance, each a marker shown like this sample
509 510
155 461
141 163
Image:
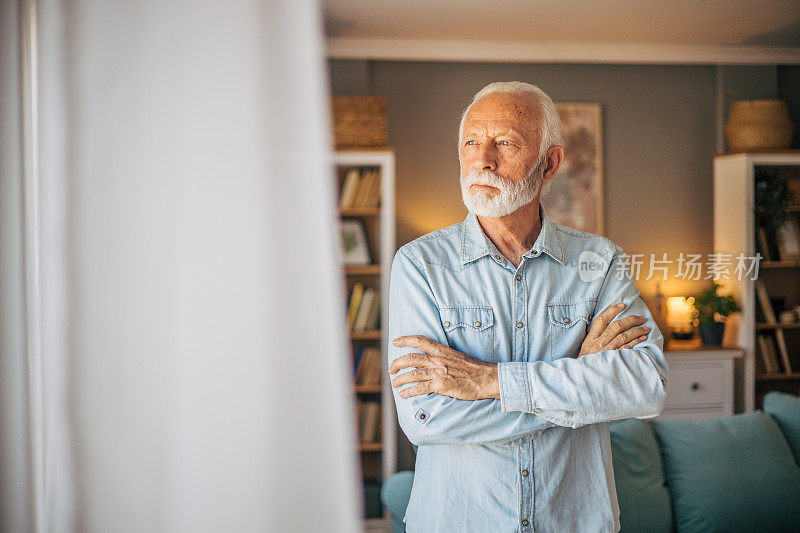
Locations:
395 495
644 500
734 473
785 409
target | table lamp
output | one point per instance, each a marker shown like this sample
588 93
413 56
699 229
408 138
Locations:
680 317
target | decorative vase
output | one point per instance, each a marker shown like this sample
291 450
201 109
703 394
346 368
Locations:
711 334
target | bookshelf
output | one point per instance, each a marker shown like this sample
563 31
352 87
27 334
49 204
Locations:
770 345
369 205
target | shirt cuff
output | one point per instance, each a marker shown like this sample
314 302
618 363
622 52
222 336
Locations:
515 390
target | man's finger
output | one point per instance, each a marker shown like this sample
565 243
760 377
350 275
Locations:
409 361
420 342
634 342
418 375
618 326
422 388
602 320
627 336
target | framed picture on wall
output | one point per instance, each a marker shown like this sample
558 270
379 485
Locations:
353 246
576 193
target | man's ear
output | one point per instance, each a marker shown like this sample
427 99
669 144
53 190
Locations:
555 155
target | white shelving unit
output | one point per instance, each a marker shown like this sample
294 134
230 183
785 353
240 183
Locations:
734 232
380 224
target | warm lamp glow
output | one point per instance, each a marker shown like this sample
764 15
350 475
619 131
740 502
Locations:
680 314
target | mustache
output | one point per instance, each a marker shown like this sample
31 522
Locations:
484 177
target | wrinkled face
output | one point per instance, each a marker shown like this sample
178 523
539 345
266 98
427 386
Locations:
499 147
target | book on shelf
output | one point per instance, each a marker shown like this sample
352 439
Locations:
370 421
763 243
355 302
764 303
783 351
364 189
368 370
766 347
360 188
363 310
368 312
350 186
769 315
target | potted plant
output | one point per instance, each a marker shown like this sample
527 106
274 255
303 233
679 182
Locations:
712 311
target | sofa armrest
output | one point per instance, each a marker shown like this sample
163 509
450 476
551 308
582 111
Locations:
395 494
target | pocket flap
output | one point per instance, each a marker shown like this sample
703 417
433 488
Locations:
567 315
475 318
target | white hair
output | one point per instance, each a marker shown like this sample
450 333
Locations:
550 123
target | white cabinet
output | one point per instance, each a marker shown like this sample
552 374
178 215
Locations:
700 383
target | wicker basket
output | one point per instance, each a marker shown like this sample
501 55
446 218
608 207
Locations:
758 125
359 120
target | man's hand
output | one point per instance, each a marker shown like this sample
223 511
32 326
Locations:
606 335
444 371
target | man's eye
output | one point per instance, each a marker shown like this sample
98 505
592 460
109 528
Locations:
505 143
469 143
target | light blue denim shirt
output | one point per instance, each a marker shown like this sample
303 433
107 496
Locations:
539 458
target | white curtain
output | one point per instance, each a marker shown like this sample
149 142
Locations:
173 349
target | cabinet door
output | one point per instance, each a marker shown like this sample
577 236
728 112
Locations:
698 389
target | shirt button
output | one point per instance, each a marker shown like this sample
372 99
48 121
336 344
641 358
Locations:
524 522
524 473
535 253
566 320
518 277
519 324
477 324
497 258
447 324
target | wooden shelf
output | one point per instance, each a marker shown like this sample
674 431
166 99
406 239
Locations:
789 209
365 335
778 377
786 263
378 459
359 211
777 325
367 389
362 270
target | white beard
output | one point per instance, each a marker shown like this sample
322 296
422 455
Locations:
512 195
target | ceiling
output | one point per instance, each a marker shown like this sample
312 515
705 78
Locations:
749 28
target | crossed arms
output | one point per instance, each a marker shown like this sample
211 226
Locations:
446 397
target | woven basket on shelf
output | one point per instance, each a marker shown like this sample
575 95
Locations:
758 125
359 120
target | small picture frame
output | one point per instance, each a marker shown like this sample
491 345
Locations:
789 234
353 246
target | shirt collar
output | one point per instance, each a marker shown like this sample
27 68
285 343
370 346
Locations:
475 244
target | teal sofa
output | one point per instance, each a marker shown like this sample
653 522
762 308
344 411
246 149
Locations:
727 474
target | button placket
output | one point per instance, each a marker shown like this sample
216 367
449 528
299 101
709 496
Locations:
525 458
519 318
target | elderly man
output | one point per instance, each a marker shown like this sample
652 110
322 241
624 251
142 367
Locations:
515 341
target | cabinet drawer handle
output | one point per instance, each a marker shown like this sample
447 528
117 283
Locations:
695 385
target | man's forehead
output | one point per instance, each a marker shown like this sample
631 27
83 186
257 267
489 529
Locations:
518 112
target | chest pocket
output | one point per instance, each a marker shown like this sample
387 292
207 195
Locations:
470 329
569 324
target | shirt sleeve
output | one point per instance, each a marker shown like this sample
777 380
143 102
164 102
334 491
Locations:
604 386
431 419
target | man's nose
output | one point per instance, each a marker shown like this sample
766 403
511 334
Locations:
487 158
